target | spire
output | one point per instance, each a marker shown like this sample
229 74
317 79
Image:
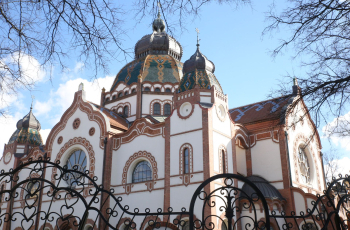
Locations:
197 30
296 88
31 106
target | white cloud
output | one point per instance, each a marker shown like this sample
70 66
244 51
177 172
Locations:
343 165
31 73
339 131
8 126
63 97
78 66
44 134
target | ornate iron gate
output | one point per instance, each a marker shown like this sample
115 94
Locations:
219 202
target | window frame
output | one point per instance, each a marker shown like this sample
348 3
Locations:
135 168
164 110
154 108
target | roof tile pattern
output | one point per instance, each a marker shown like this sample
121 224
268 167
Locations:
264 110
154 68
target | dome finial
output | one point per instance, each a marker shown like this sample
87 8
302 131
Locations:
197 30
158 23
31 106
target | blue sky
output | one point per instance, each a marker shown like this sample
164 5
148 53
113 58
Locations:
231 38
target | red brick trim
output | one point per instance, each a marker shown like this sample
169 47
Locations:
222 148
162 103
78 103
181 157
301 139
139 127
241 137
163 224
34 154
179 113
144 155
4 157
122 105
76 141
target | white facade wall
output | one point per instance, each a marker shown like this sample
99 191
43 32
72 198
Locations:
266 160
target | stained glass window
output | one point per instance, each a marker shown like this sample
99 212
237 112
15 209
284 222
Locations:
142 172
186 161
77 161
156 109
304 166
167 109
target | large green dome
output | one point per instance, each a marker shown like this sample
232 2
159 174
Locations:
153 68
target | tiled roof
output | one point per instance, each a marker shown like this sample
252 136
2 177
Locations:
115 119
264 110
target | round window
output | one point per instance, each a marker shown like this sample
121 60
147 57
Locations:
185 109
76 164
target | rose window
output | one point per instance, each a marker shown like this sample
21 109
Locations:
76 162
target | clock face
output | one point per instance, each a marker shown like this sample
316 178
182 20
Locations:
8 157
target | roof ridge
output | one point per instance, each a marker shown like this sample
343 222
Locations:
261 101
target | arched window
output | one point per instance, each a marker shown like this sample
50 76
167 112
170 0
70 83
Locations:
120 94
142 172
147 89
126 93
126 111
107 99
167 109
304 166
223 161
156 109
133 90
186 161
157 90
168 90
77 161
114 97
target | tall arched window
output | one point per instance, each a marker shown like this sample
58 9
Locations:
142 172
223 161
304 166
167 109
77 161
126 111
156 109
186 161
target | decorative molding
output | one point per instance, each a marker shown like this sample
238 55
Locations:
122 105
60 140
87 108
162 103
68 144
5 156
145 155
302 139
76 123
91 131
179 112
140 127
222 148
222 117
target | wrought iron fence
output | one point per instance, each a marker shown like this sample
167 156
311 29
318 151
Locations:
71 199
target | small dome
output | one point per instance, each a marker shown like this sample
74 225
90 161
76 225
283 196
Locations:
198 70
198 61
268 190
27 130
159 42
